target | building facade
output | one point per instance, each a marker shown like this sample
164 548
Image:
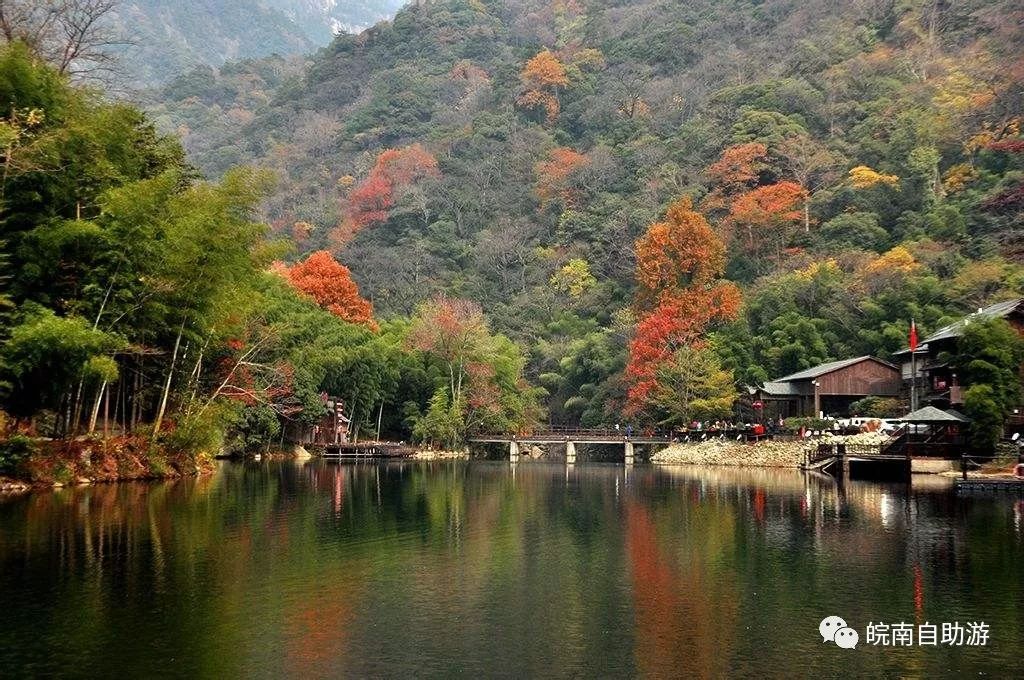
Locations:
828 389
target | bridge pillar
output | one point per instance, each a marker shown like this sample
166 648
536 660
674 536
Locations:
513 451
570 452
629 452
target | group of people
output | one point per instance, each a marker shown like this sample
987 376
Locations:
707 427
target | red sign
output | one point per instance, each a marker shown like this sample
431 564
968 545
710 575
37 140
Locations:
758 404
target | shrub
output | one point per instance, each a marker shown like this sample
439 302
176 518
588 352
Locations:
157 464
255 428
981 405
794 424
877 407
201 433
13 452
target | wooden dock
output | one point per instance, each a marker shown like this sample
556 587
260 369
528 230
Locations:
991 485
835 458
368 450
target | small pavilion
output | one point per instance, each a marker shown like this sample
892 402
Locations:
933 432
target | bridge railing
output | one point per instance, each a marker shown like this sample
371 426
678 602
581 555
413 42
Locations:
577 434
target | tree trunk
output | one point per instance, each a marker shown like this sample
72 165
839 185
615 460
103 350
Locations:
458 383
136 408
167 384
96 407
197 373
106 414
76 411
58 418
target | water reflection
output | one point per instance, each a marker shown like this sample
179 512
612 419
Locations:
315 570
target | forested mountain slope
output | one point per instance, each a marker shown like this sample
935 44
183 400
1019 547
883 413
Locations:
168 37
862 162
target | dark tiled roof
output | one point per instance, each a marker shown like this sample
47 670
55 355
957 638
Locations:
831 366
930 414
780 389
955 330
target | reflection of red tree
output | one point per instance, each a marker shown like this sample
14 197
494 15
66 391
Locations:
317 628
339 490
683 627
918 592
759 505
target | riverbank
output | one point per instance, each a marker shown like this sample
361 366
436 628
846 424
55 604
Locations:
38 463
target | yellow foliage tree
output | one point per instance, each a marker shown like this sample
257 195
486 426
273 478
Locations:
574 278
863 177
889 270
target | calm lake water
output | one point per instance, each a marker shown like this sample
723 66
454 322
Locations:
437 569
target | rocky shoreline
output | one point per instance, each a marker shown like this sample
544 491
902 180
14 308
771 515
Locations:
769 453
717 452
440 455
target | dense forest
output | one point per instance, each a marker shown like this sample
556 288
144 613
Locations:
485 214
860 162
148 307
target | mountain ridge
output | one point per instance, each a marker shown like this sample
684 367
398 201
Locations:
170 37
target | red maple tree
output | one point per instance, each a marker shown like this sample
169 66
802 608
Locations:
395 172
679 266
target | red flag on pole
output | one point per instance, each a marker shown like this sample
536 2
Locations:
913 336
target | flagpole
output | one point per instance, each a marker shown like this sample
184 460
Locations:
913 380
913 365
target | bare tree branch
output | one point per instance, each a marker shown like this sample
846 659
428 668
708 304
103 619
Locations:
76 36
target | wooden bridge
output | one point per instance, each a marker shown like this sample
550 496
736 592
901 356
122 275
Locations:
570 437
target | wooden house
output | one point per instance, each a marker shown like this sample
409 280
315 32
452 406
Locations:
936 381
829 388
332 428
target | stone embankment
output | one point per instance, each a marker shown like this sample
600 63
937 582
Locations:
441 455
771 453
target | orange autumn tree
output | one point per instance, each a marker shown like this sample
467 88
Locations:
739 167
767 216
555 175
395 174
541 78
678 256
330 284
738 170
680 262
